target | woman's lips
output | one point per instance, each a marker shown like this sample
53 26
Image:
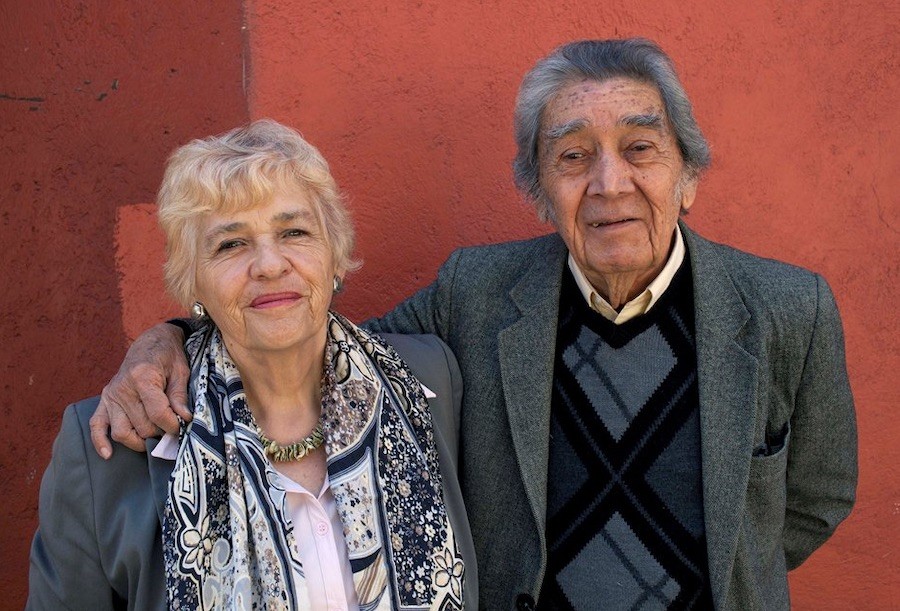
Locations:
274 300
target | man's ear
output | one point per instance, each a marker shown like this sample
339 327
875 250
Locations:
688 191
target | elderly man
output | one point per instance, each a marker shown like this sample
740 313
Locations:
651 420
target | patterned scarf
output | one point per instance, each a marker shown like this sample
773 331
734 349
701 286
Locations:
227 539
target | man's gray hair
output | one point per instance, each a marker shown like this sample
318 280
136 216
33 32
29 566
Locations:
599 60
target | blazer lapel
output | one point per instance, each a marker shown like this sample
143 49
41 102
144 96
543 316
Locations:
727 381
160 470
526 366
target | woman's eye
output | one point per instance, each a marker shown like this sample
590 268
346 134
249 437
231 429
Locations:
295 233
228 245
573 155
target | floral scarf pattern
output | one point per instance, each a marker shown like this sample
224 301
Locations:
227 539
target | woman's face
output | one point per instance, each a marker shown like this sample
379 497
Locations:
265 275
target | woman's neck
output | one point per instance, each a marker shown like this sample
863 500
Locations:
283 389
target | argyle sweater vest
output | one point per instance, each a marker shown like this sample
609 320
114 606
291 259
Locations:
625 523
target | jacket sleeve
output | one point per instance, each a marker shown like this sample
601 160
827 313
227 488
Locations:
427 311
65 568
822 456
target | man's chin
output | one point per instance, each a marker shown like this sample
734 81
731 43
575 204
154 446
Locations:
612 262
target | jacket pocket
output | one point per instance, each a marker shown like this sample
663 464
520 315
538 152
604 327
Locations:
764 522
765 466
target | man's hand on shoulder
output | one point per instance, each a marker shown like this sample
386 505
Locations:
148 393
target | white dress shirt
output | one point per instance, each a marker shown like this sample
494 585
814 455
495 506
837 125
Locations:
318 532
643 302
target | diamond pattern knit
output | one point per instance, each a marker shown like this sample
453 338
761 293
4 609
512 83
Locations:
625 503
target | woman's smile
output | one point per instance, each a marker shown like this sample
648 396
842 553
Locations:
266 275
275 300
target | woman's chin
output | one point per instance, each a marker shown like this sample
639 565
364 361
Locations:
279 335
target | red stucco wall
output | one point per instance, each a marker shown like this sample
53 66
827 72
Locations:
411 102
93 97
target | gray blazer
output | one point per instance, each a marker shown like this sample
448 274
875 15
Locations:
769 351
98 544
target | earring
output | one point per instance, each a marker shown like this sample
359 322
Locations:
198 312
338 284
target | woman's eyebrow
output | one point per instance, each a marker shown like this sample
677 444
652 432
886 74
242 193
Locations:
213 234
293 215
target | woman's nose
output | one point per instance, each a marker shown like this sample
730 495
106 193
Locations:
269 262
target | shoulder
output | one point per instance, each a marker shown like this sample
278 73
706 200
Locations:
759 280
511 253
73 453
493 269
78 414
101 512
74 432
429 358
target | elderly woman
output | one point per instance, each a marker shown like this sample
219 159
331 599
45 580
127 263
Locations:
310 474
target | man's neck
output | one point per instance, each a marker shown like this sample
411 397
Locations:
640 296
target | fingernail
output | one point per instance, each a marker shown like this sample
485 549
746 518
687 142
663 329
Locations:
105 453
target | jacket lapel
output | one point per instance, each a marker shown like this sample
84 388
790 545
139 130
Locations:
727 381
160 470
526 366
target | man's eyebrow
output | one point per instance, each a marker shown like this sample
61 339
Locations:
652 120
555 132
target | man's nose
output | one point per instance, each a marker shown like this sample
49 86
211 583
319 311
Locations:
610 175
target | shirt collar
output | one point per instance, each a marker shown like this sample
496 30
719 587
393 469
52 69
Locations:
643 302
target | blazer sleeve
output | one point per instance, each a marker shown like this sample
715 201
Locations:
426 311
822 455
65 568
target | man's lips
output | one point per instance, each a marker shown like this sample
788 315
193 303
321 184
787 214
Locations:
611 223
273 300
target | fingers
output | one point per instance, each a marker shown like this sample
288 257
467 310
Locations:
122 431
176 390
107 422
121 410
154 411
139 394
135 404
99 425
113 402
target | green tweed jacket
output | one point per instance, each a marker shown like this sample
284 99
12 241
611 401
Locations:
770 353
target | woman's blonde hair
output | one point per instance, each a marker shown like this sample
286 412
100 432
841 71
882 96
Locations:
237 171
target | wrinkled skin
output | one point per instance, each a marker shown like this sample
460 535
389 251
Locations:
612 170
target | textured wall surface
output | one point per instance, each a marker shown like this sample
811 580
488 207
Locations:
93 97
411 102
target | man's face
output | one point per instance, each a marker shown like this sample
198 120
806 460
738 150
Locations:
612 170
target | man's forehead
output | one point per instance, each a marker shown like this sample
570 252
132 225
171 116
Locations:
616 101
651 120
